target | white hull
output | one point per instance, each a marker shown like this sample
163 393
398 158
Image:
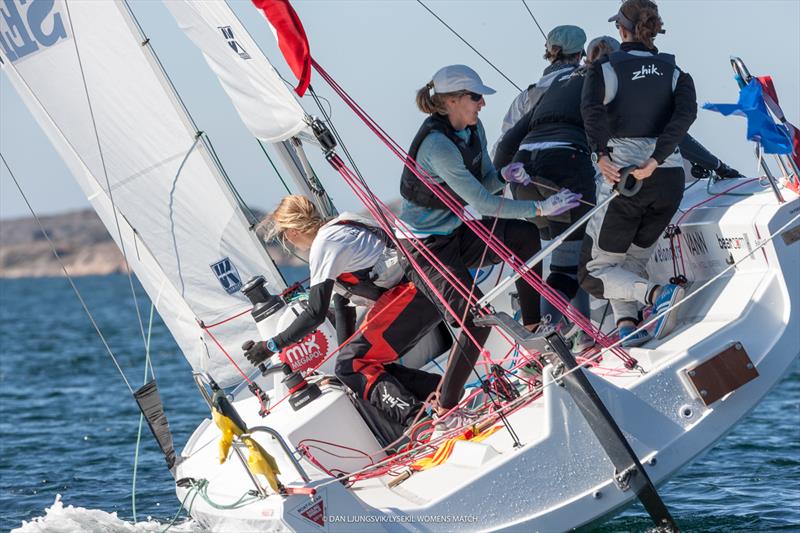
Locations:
560 478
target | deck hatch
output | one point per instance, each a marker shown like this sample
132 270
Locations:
723 373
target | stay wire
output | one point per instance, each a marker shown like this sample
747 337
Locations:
141 415
108 181
66 273
446 25
524 3
277 172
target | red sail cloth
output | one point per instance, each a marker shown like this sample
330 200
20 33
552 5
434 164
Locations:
771 98
292 38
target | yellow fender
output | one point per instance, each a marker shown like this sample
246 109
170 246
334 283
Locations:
228 429
261 462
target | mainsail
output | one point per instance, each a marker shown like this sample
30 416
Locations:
91 81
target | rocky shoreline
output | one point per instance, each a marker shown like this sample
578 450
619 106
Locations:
82 242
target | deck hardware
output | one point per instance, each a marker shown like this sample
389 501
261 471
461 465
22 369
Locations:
686 411
653 461
629 472
597 495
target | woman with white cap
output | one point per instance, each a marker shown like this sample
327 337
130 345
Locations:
637 106
451 147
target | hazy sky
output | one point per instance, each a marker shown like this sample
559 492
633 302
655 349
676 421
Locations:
381 52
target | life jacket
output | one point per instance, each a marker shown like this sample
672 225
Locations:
644 101
365 286
557 116
412 188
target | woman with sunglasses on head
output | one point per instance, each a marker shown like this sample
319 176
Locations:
451 147
351 259
637 106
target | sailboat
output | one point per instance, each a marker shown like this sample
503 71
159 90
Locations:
562 441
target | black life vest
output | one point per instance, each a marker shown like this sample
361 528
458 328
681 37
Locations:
557 117
644 101
412 188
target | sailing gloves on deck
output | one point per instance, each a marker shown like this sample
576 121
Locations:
257 352
561 202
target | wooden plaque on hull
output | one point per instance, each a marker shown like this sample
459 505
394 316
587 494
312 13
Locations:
723 373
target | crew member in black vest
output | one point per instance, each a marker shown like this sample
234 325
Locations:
702 161
637 106
549 151
451 146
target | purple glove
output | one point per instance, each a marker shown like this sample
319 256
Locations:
515 173
561 202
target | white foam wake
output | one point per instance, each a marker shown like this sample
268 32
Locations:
59 518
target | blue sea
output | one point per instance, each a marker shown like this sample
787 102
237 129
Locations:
68 427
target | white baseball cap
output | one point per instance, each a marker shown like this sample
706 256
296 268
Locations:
454 78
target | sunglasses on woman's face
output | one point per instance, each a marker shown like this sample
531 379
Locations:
475 97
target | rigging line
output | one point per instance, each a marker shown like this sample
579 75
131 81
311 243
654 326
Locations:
141 415
517 87
277 172
524 3
336 134
105 174
66 273
251 217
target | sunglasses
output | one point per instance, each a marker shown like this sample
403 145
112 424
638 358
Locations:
475 97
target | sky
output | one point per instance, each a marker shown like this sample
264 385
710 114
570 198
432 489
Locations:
381 52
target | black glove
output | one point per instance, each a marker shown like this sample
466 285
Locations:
256 352
700 172
725 172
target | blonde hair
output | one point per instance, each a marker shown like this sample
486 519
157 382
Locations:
293 212
431 103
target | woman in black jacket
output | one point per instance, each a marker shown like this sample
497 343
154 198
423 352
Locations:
637 106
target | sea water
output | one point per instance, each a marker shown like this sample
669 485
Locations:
69 427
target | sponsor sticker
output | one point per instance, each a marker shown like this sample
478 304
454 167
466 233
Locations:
313 511
30 27
227 275
307 353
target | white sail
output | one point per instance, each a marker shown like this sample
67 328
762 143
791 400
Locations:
264 103
95 88
262 100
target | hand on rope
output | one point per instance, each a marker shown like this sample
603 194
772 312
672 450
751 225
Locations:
515 173
559 203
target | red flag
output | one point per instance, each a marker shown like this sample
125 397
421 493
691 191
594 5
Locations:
771 98
292 38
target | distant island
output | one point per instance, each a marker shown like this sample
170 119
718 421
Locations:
82 242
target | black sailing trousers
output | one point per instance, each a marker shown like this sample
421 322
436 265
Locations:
459 251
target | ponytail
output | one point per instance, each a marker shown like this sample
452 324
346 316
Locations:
430 102
646 20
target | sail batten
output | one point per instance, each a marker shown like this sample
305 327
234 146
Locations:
147 171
